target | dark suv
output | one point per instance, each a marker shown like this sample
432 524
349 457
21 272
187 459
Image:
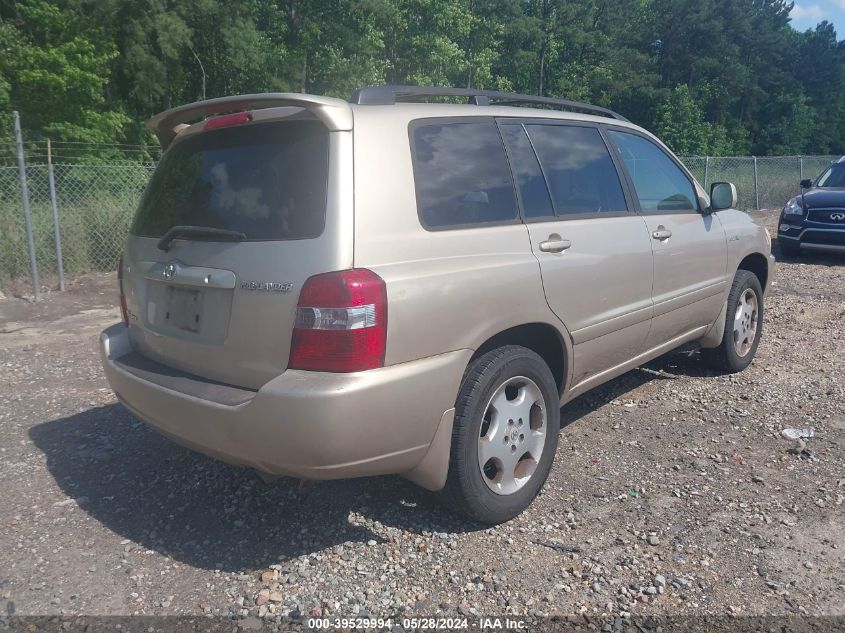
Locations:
815 220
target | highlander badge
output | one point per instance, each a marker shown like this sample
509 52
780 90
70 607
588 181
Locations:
267 286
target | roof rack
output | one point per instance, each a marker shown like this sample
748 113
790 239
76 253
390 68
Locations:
388 95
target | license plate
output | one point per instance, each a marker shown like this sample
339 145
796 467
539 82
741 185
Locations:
184 309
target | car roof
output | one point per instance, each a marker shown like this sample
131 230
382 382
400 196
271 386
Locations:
394 101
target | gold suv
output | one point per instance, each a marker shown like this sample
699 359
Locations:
323 289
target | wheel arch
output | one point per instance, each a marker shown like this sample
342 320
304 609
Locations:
758 264
543 338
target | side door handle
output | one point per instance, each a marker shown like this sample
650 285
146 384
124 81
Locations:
662 233
555 244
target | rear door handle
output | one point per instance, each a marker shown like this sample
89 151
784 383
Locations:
662 233
555 244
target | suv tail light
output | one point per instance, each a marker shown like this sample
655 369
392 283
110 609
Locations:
341 322
124 312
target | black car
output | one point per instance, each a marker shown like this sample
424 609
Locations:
815 220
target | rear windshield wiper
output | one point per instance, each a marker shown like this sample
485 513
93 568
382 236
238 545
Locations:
206 233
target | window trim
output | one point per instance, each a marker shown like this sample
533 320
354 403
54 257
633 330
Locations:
623 182
668 153
514 176
413 125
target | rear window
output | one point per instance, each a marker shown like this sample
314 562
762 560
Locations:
267 181
462 174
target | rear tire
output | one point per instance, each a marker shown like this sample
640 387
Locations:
788 248
743 326
507 416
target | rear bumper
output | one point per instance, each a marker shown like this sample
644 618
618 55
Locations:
304 424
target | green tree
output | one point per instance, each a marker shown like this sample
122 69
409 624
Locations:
681 125
56 71
96 69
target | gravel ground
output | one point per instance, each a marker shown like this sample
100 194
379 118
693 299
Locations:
673 493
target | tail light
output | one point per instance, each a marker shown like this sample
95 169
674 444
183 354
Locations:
124 312
341 322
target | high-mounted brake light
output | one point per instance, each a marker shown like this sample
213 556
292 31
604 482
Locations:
341 322
227 120
124 311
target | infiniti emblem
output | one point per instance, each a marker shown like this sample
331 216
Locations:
169 271
837 217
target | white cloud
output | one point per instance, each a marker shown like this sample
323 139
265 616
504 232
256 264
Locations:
811 11
840 4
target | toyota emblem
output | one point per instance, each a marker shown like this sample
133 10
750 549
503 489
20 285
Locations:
169 271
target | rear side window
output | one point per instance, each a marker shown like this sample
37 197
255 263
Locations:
267 181
659 182
532 186
461 174
578 167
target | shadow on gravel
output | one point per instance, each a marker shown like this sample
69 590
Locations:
684 361
818 258
211 515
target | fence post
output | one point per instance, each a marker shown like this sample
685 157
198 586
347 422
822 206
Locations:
33 267
756 186
706 170
801 166
52 181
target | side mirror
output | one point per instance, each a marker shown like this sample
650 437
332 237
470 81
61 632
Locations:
722 196
806 184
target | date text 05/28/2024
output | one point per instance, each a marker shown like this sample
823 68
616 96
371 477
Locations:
418 624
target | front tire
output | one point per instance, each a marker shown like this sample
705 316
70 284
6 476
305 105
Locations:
743 326
504 438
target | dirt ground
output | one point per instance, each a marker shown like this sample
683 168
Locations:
674 493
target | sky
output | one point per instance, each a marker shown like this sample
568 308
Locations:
807 13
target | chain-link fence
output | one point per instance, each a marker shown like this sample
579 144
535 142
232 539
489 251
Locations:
764 182
97 189
95 204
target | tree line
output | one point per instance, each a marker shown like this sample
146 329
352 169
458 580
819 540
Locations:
718 77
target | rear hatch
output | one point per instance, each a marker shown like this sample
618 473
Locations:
248 213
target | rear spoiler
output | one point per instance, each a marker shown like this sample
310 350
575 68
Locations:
336 114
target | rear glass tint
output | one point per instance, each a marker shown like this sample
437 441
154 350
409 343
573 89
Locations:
267 181
462 174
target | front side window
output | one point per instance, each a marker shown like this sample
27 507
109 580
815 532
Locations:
462 174
661 186
578 168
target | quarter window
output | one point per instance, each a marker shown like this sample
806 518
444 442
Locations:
462 174
578 168
659 183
